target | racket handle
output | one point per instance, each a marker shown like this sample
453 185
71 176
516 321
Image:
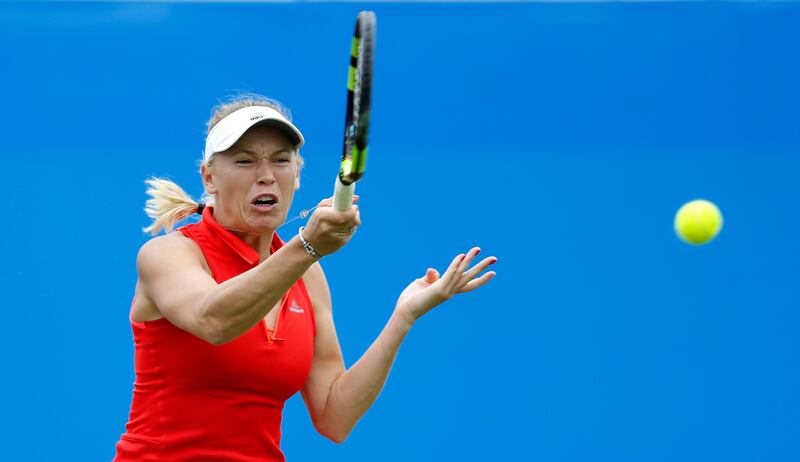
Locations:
343 195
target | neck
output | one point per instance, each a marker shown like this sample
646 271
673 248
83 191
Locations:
260 242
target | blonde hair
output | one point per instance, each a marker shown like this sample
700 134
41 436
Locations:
169 203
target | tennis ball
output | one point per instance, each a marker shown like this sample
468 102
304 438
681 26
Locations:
698 222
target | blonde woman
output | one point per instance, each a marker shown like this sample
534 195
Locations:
229 320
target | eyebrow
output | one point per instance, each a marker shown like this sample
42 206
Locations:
279 151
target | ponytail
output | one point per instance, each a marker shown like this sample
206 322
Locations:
168 204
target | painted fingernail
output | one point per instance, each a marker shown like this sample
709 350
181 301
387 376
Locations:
478 251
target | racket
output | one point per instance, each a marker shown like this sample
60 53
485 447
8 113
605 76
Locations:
356 126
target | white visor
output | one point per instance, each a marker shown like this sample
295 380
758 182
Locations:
228 130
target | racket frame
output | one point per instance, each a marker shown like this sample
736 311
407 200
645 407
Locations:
359 90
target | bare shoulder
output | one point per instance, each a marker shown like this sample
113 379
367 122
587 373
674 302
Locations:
317 286
159 257
172 249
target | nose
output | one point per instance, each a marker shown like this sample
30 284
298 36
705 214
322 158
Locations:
264 172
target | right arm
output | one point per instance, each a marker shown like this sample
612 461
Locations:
172 277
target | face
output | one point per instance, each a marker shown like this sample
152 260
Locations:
254 181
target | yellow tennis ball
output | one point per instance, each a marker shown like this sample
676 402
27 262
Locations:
698 222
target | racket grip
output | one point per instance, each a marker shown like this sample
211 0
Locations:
343 195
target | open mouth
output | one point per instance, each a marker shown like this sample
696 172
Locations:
265 200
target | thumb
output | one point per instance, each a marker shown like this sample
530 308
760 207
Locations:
431 275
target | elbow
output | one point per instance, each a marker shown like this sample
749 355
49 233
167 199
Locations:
216 339
337 435
337 438
213 332
219 337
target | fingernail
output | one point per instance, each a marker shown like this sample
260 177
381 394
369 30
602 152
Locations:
479 251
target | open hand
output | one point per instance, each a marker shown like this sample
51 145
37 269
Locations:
429 291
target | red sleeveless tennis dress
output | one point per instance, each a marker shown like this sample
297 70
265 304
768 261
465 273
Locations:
194 401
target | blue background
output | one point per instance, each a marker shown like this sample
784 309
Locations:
560 137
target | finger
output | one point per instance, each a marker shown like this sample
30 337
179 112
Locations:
480 267
449 279
475 283
345 218
451 270
353 216
453 277
468 259
327 202
352 219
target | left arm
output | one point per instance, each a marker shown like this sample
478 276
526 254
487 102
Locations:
337 397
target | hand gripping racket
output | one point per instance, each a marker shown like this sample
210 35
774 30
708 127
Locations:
356 127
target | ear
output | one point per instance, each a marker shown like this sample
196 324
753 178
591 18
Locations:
208 179
300 162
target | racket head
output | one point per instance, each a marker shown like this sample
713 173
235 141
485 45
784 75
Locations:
359 92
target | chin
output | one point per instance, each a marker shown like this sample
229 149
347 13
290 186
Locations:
265 224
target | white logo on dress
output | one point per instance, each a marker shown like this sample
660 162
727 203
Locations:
295 308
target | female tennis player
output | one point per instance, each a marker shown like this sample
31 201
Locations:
229 320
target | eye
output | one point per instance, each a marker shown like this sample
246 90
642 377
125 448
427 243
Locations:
243 161
283 160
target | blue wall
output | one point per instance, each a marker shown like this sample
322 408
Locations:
559 137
